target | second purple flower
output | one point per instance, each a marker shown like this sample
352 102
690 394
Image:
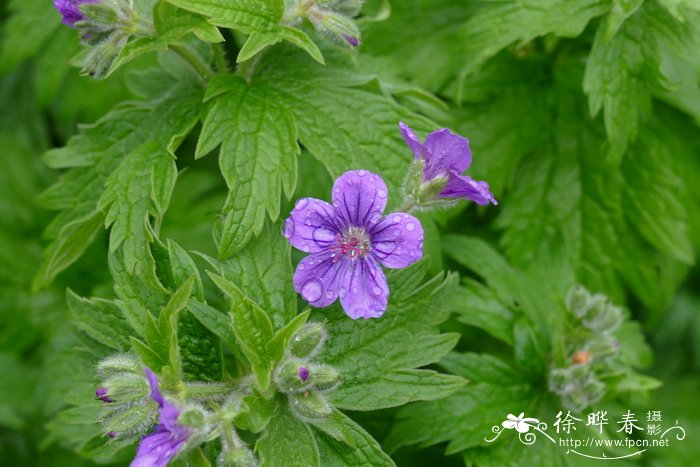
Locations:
348 242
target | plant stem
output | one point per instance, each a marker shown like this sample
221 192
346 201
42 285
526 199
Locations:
247 68
407 206
194 60
220 59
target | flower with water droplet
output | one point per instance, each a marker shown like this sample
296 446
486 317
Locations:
168 437
443 157
348 242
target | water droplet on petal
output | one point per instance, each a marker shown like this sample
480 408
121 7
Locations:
396 219
342 292
377 290
289 228
312 290
381 193
361 173
305 247
410 226
301 266
329 294
323 235
301 203
396 233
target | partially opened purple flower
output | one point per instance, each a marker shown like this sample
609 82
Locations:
445 154
168 437
348 242
70 10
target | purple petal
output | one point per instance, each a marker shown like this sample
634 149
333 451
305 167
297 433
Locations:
359 198
462 186
446 152
155 388
157 449
397 241
311 225
70 10
101 394
303 373
411 140
364 292
317 276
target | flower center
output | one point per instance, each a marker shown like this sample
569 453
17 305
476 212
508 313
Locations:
354 244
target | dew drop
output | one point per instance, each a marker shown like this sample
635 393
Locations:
410 226
329 294
381 193
301 266
396 233
289 228
342 292
396 219
312 290
377 290
305 247
301 203
323 235
361 173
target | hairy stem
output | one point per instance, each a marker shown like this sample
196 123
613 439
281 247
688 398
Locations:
220 59
194 60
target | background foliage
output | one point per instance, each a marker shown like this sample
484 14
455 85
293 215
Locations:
582 115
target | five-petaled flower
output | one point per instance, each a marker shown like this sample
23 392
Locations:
168 437
521 424
70 10
446 155
348 241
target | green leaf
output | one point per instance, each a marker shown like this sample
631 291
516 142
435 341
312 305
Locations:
278 343
216 321
262 270
287 438
252 328
261 19
398 387
129 150
478 306
30 23
172 26
363 450
258 161
100 319
499 24
464 418
376 356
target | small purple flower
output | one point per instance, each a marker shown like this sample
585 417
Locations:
446 154
167 439
70 10
303 373
353 41
348 241
101 394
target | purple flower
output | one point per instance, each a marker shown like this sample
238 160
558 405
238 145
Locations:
446 154
70 10
353 41
348 241
303 373
101 394
158 448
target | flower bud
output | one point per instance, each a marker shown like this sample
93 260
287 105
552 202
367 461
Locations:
309 406
120 363
292 376
128 421
338 26
123 388
603 318
577 300
237 457
323 377
307 341
193 417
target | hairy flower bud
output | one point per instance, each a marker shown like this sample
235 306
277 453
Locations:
292 376
309 406
307 341
124 388
577 300
237 457
118 364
